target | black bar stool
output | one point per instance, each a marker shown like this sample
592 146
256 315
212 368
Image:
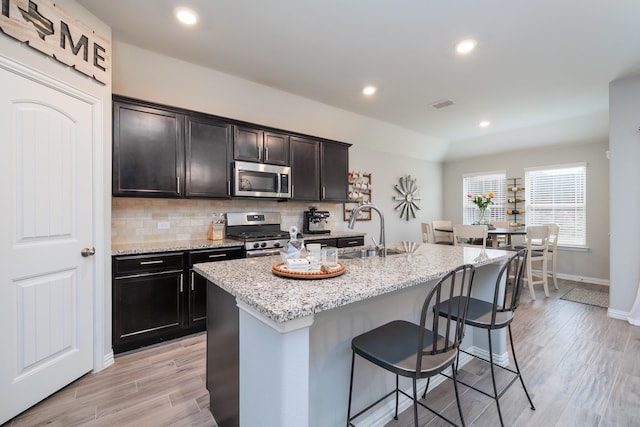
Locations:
419 351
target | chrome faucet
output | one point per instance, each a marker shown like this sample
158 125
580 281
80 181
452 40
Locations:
352 222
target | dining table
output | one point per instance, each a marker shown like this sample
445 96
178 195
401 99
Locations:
506 231
498 231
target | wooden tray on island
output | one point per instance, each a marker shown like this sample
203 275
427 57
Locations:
279 269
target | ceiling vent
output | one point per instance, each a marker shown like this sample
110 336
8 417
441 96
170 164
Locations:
442 103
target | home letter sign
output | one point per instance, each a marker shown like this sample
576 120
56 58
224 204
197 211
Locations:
45 27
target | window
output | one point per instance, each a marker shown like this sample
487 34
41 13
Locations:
484 183
556 194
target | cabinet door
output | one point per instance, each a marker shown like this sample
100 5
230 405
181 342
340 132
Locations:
146 309
247 144
335 172
305 169
207 144
197 299
147 151
198 284
276 148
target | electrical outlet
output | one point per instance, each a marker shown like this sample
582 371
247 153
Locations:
164 225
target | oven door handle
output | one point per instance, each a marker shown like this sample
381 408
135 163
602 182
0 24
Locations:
266 252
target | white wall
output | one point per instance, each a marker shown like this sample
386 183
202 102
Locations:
23 54
593 265
624 137
153 77
386 170
386 151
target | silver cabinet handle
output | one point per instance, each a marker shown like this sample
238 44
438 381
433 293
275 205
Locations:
228 188
178 180
151 262
86 252
354 242
181 282
323 191
193 279
266 153
217 255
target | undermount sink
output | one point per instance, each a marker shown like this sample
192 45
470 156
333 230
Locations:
367 253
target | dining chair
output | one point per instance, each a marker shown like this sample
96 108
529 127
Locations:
419 350
537 247
442 232
552 251
503 240
493 315
470 235
427 233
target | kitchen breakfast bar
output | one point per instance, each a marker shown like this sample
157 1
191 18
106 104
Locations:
278 349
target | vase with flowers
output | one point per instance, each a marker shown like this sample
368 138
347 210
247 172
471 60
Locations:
482 201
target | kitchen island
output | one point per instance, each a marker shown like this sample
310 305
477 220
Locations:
278 351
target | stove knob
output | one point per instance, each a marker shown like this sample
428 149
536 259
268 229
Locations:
263 244
276 245
256 245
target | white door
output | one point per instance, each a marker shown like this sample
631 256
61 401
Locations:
46 219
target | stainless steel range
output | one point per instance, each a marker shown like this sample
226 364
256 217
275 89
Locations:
260 232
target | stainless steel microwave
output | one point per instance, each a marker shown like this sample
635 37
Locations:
261 180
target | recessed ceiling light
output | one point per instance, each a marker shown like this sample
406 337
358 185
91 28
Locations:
466 46
369 90
186 16
484 123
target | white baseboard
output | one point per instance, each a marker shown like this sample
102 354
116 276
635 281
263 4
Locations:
108 360
593 280
618 314
498 359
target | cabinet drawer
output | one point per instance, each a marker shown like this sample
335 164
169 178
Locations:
135 264
345 242
210 255
323 242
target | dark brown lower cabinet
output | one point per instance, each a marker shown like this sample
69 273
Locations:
198 284
158 297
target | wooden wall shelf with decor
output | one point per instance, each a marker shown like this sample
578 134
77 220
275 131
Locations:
515 203
359 194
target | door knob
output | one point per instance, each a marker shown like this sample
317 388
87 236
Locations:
88 252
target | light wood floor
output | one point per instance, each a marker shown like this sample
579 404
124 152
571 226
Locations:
581 368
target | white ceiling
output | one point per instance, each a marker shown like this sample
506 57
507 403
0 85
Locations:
540 72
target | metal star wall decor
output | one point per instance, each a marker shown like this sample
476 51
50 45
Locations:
408 196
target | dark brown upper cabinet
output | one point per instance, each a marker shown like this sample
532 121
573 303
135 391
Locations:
335 172
148 150
319 170
167 152
207 144
305 169
163 151
261 146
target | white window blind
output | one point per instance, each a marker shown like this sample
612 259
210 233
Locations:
557 194
484 184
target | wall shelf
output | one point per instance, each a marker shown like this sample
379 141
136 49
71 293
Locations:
359 194
515 202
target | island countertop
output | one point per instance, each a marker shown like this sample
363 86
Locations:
284 299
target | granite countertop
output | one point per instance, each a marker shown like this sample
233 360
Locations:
283 299
173 245
186 245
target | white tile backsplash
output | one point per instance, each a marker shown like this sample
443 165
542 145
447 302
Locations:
135 220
